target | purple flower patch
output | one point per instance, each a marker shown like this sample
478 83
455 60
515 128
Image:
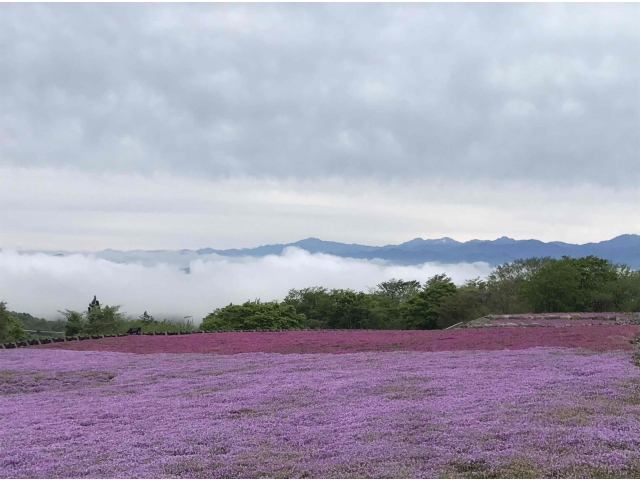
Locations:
542 412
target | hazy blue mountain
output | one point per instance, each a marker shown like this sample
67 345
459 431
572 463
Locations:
622 249
313 245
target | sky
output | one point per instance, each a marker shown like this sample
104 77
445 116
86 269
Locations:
185 126
150 126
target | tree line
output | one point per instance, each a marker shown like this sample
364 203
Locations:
587 284
103 320
97 320
11 328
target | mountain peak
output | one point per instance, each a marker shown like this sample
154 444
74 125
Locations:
311 241
626 240
415 241
504 240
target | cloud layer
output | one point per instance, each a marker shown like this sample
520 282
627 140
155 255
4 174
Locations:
42 284
169 126
546 92
49 208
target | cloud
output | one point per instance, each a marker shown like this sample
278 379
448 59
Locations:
138 126
50 208
520 108
373 91
42 284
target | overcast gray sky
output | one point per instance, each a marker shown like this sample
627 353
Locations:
230 125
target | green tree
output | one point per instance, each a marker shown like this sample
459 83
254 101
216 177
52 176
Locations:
338 308
596 276
146 319
356 310
254 315
464 305
554 287
103 320
11 329
397 290
504 285
625 292
315 303
75 323
387 300
422 311
584 284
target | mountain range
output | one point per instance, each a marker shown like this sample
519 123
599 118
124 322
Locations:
621 249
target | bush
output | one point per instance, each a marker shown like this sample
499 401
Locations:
357 310
104 320
466 304
315 303
109 320
75 323
253 316
584 284
11 329
156 326
423 310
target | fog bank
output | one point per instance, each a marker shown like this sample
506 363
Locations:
42 284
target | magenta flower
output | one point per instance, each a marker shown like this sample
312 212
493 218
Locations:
543 412
597 337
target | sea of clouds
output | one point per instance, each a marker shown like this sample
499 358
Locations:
42 284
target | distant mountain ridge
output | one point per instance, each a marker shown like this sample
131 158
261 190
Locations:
621 249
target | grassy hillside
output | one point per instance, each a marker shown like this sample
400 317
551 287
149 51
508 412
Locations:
39 324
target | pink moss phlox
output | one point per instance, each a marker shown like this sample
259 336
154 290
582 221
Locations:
393 414
597 337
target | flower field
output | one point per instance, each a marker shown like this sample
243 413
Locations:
597 337
476 403
536 412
